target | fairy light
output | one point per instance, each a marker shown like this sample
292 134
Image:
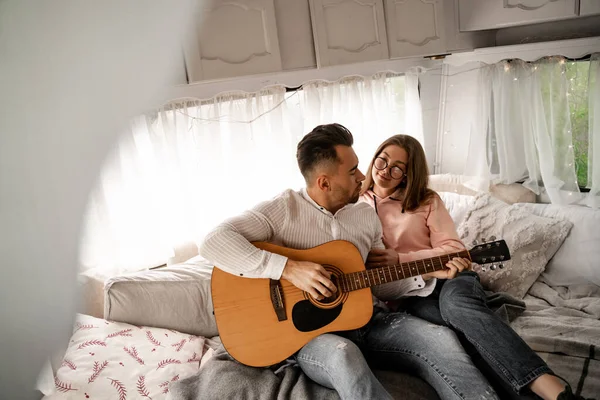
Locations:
515 79
506 67
562 61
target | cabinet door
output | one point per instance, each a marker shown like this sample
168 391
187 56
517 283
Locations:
348 31
589 7
234 38
415 27
490 14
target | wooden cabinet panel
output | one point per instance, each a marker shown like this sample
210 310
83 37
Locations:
589 7
234 38
491 14
415 27
348 31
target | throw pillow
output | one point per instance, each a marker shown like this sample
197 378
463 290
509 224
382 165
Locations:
531 239
112 360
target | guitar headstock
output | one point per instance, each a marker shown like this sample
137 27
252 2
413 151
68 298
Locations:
495 252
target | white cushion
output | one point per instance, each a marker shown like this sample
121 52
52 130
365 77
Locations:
532 240
508 193
111 360
177 297
450 183
458 205
577 261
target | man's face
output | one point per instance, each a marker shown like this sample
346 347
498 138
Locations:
347 182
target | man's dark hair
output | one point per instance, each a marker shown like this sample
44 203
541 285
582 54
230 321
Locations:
318 147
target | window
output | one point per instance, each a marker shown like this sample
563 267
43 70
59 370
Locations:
577 77
179 172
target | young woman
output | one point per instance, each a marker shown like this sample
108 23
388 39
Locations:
417 225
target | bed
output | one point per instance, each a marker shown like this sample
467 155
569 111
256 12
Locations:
555 271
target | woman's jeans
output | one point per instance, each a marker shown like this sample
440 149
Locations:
460 304
396 341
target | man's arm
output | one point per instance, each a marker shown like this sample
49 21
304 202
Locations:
229 247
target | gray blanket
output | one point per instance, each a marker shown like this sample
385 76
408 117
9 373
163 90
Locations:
223 378
562 324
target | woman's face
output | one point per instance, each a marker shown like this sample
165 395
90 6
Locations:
393 161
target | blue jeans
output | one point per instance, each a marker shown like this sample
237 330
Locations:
396 341
494 346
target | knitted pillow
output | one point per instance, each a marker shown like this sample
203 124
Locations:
532 241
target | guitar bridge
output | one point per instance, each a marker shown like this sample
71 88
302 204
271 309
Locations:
277 299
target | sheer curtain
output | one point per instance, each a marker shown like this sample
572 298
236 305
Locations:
373 108
522 129
593 197
178 172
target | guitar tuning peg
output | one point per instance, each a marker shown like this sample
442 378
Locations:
475 242
483 240
493 267
492 238
482 268
501 266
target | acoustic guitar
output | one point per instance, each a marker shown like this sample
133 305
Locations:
263 321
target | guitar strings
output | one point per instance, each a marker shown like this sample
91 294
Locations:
362 279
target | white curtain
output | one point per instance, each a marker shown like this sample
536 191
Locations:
179 172
522 129
593 197
372 108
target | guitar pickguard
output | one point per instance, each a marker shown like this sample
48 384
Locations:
307 317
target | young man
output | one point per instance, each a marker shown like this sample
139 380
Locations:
327 210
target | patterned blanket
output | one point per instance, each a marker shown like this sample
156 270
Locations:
562 324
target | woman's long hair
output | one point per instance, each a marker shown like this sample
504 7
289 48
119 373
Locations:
413 190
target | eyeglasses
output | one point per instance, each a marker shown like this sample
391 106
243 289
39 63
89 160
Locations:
395 172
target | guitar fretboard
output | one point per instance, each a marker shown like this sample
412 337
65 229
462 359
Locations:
391 273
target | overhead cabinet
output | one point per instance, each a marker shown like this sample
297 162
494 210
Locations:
589 7
415 27
348 31
493 14
234 38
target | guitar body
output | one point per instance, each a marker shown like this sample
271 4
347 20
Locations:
255 333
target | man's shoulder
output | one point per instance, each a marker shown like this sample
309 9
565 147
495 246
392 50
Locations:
286 195
364 210
286 199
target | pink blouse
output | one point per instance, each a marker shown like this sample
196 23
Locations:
424 233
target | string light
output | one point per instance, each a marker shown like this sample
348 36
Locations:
515 79
506 67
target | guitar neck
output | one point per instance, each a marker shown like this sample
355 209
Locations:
377 276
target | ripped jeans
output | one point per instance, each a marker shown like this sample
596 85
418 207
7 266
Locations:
395 341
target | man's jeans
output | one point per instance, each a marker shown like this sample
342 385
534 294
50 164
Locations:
493 345
396 341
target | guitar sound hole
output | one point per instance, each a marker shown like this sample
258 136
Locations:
334 296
